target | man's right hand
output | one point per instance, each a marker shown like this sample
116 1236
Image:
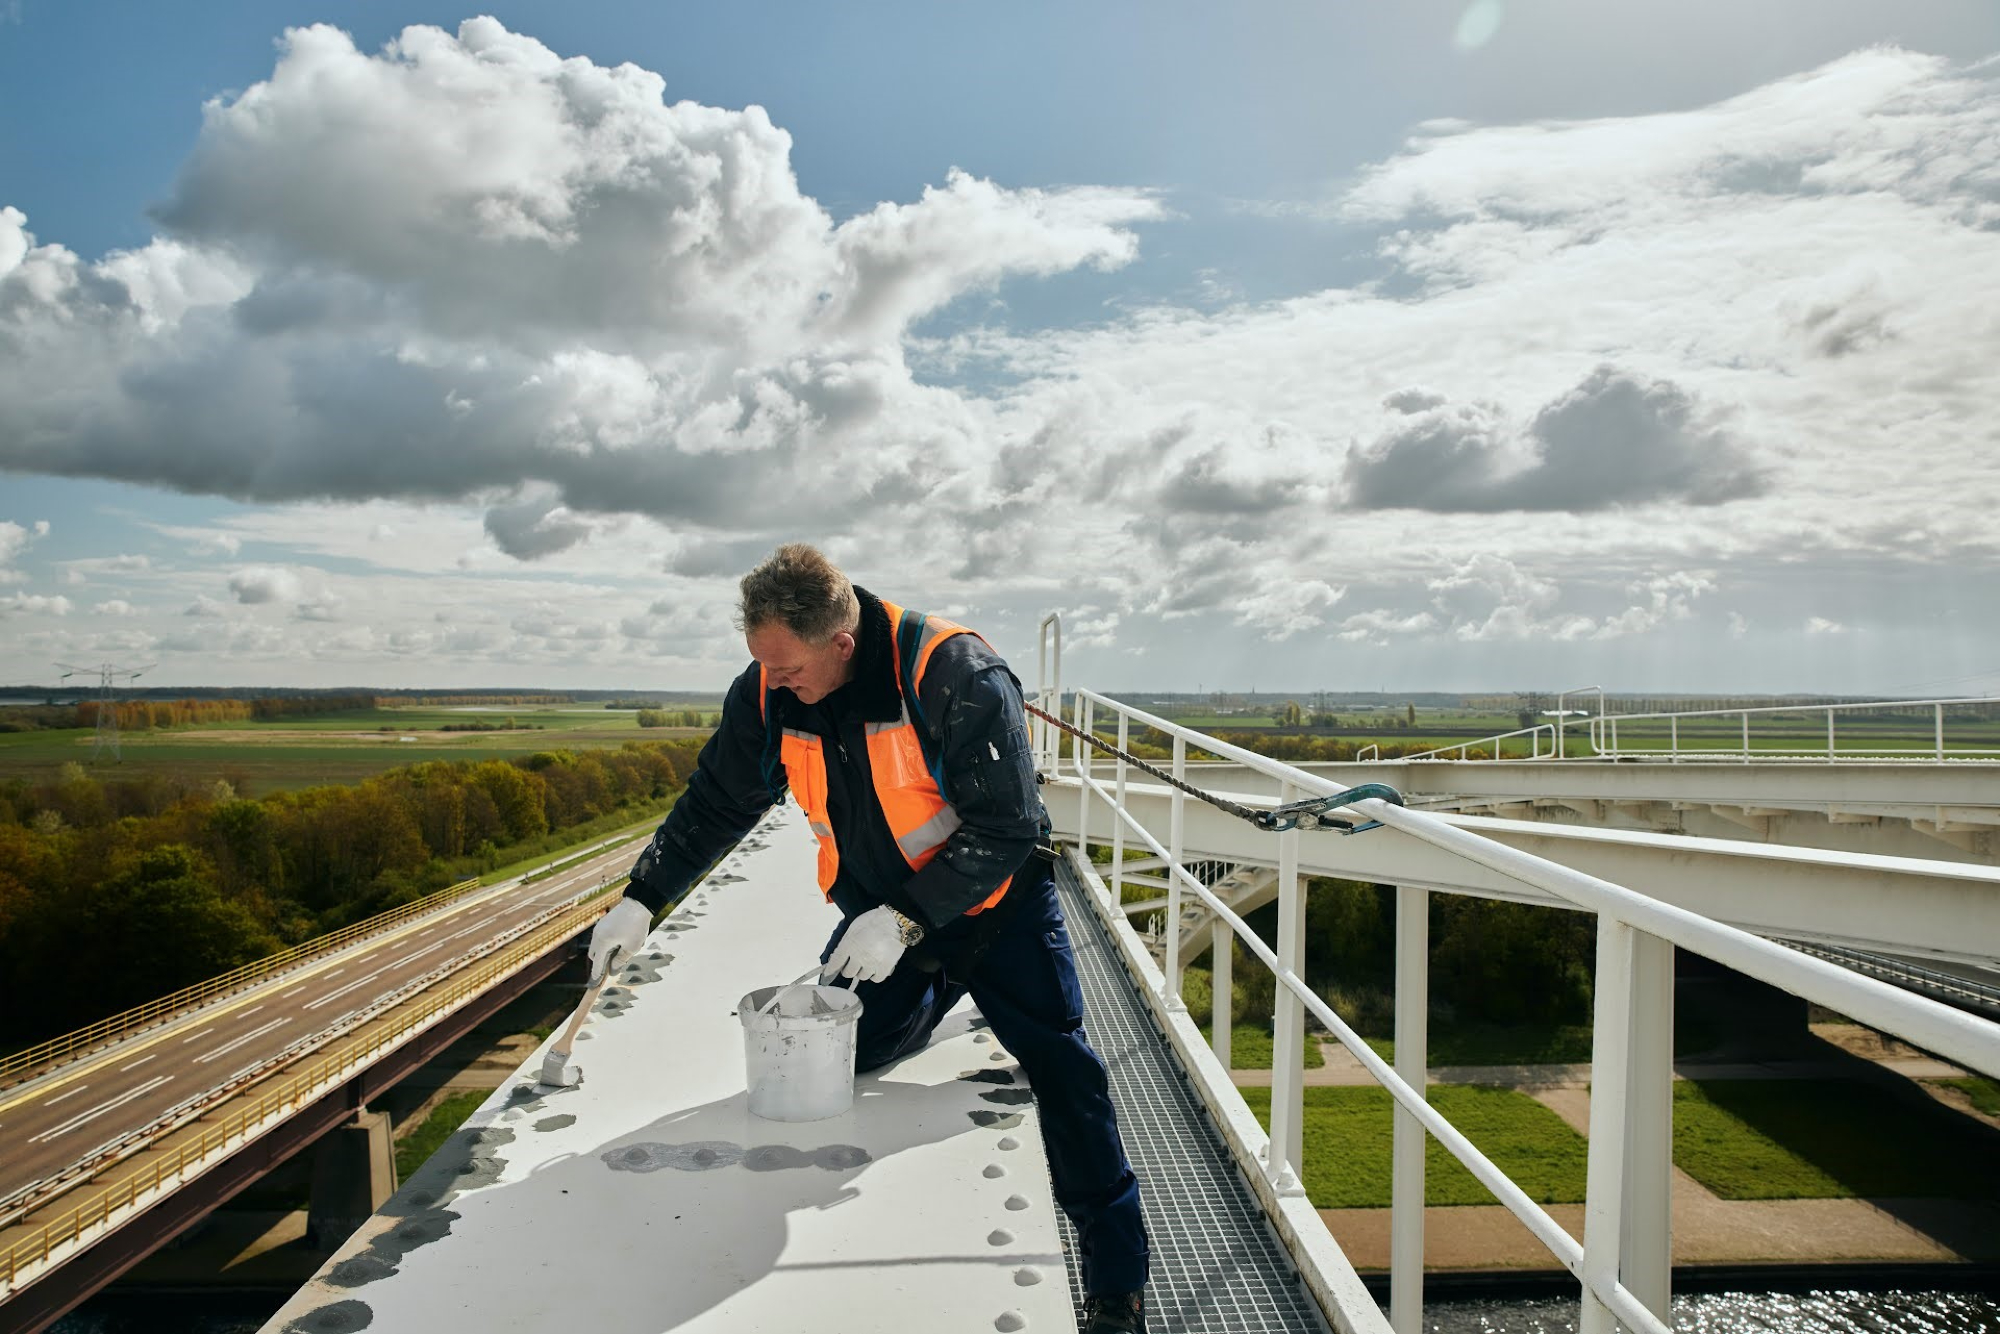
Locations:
623 928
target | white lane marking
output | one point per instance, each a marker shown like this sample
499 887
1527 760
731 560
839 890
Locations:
300 987
418 954
136 1064
234 1043
100 1110
335 972
361 981
192 1036
252 1010
71 1094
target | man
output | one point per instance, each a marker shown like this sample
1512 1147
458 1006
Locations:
903 738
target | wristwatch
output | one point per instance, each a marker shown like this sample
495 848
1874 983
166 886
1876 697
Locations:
908 931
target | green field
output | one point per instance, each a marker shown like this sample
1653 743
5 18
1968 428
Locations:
1743 1139
1783 1139
415 1149
1348 1135
1984 1093
261 757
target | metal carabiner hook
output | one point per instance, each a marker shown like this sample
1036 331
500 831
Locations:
1312 813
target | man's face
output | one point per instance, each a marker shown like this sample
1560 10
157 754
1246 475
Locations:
811 673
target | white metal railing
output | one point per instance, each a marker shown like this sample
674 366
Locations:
1623 1261
1603 729
1604 732
1493 746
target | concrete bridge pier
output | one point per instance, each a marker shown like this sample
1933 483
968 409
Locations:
353 1175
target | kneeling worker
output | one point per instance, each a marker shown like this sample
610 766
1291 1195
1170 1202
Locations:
904 739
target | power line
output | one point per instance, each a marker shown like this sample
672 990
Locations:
108 675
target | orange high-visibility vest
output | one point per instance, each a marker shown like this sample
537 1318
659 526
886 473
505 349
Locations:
919 817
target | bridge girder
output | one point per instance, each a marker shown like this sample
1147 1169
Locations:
1935 909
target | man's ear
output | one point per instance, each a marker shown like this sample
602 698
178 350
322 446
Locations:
846 642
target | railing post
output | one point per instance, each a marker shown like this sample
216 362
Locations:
1646 1237
1674 739
1085 711
1746 736
1604 1182
1118 817
1288 1020
1829 736
1176 828
1406 1180
1940 731
1222 1007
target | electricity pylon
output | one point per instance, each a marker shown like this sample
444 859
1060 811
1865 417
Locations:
108 675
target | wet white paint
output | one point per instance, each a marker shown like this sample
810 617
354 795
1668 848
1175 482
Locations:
651 1198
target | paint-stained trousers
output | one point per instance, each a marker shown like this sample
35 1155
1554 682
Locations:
1025 985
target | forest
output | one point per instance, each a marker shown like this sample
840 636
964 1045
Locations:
113 892
143 715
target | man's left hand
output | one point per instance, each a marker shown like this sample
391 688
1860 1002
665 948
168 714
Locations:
869 949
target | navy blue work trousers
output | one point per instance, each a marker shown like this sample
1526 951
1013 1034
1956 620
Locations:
1025 985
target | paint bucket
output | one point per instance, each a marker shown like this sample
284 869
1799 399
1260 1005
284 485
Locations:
799 1051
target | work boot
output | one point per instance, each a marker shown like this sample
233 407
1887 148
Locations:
1122 1314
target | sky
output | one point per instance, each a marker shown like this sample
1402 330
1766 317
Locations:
1487 345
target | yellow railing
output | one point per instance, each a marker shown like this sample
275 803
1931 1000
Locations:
107 1030
300 1090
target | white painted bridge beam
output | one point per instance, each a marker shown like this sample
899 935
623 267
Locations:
1848 784
1907 905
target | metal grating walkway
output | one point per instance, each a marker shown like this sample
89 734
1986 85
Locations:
1216 1266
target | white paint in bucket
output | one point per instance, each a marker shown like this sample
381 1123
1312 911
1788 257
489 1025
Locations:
799 1052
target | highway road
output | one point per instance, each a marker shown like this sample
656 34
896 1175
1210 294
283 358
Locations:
74 1112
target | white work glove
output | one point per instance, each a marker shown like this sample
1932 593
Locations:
869 949
623 928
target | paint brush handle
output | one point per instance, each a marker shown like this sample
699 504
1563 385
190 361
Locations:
589 999
765 1008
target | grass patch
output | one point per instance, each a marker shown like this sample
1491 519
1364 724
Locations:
1985 1094
1348 1135
1529 1044
1251 1047
414 1149
1506 1044
1792 1139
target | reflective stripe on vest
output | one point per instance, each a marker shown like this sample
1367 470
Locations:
919 818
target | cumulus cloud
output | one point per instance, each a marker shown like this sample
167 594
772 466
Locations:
1615 439
1489 597
465 264
1727 345
1382 625
115 607
1668 597
30 604
257 584
534 526
14 540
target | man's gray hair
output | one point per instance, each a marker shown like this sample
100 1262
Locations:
800 589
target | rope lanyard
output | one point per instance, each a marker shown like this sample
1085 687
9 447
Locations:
1311 813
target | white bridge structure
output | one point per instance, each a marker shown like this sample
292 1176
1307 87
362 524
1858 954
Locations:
1822 847
648 1198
